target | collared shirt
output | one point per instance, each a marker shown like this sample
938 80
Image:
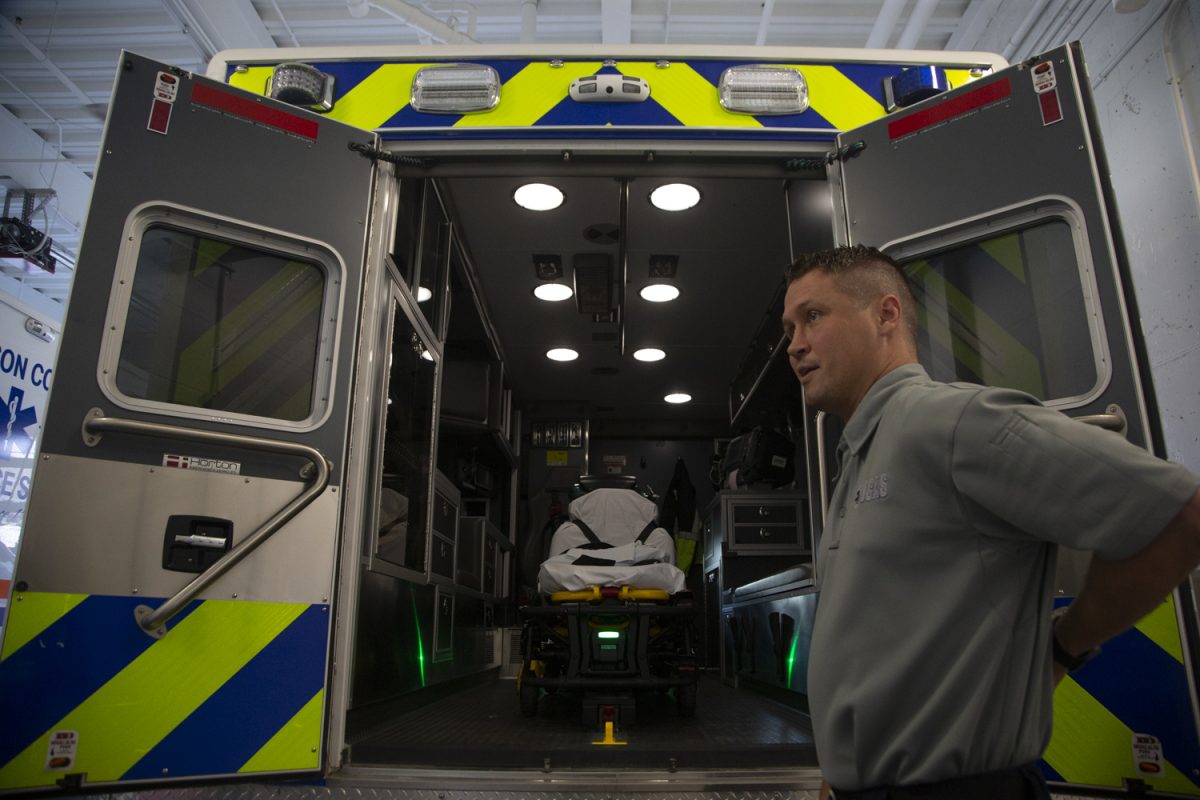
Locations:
930 652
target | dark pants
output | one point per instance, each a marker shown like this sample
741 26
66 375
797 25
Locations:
1018 783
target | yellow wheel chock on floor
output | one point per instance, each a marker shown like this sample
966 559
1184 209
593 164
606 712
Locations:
610 736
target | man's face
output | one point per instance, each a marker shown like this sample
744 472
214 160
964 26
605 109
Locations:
834 345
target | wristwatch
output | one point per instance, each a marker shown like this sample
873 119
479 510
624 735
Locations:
1061 657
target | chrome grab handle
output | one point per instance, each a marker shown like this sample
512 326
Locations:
822 478
195 540
152 620
1113 419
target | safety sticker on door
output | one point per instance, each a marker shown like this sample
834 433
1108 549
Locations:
1046 87
60 754
1147 755
166 86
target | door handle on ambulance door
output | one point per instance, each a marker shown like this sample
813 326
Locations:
153 620
1113 419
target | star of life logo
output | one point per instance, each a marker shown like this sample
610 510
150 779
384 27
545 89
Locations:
15 420
199 464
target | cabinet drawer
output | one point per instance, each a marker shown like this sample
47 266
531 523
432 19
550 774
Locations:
445 515
764 513
441 560
765 535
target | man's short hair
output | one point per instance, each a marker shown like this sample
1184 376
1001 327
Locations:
864 273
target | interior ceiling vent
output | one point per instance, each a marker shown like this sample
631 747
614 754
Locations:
605 372
594 283
603 233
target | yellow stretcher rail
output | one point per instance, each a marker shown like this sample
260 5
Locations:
593 594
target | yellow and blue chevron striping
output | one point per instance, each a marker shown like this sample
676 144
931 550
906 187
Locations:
1138 685
535 94
234 686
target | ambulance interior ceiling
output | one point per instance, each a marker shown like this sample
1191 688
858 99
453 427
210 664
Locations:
730 252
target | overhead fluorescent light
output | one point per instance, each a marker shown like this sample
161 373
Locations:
649 354
562 354
538 197
675 197
552 292
659 292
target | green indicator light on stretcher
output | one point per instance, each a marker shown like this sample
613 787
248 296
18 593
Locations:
608 634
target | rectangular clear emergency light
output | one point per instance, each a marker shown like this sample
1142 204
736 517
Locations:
763 89
455 89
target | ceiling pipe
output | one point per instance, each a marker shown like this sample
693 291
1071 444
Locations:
37 53
1022 30
885 23
918 21
423 23
529 20
763 22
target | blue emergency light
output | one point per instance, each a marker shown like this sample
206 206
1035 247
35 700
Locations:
916 84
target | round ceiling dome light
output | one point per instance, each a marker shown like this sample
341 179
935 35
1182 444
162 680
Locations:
659 292
649 354
538 197
562 354
675 197
678 397
423 294
553 292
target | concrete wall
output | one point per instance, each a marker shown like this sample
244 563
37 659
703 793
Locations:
1146 79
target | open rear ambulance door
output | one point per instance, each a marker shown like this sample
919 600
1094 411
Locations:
995 197
171 613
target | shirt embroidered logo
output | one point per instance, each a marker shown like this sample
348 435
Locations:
876 488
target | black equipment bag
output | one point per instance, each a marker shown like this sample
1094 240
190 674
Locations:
762 456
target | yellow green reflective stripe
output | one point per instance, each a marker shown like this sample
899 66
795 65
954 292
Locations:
252 79
1003 360
199 378
30 613
1006 250
1162 628
377 98
686 95
959 77
530 94
837 98
144 702
1092 746
297 744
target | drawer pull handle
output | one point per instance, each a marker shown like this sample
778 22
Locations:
762 511
762 532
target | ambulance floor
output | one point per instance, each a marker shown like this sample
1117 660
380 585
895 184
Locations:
482 727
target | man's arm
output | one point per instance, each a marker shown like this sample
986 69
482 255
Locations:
1116 594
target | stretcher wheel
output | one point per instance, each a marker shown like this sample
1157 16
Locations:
529 700
685 696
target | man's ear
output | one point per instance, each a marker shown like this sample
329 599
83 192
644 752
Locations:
889 315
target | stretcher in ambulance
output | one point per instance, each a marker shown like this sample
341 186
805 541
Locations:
352 332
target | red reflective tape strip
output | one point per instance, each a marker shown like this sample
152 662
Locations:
253 110
5 585
160 116
1051 108
941 112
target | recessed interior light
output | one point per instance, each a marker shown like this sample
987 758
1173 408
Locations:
675 197
538 197
553 292
659 292
649 354
678 397
428 356
562 354
423 294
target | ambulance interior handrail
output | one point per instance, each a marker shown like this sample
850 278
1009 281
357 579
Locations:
152 621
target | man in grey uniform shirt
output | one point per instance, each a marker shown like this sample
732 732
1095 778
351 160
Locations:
934 652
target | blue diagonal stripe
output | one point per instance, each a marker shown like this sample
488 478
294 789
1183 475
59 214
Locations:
250 708
62 666
1146 688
